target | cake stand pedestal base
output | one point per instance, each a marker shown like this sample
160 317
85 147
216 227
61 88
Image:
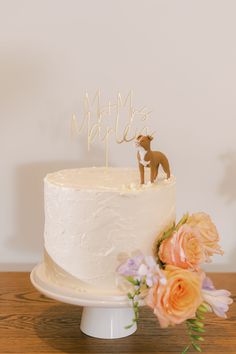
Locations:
107 323
102 317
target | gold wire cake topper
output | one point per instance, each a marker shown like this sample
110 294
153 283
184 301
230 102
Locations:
119 119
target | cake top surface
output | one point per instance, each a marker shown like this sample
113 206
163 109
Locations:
104 178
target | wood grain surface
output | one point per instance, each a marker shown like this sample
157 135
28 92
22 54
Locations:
32 323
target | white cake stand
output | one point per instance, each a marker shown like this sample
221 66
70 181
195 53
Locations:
102 317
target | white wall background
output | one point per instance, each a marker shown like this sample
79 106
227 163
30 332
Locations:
180 59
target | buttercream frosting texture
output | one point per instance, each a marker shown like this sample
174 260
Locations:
95 216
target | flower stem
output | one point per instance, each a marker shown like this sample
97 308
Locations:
135 304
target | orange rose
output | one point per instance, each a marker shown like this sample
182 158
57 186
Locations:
177 299
201 222
183 249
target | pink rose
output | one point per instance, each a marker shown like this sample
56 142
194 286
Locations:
202 224
183 249
177 299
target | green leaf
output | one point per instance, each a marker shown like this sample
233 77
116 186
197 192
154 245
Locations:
132 280
196 337
168 233
196 323
135 311
197 329
185 350
202 308
199 316
191 320
130 296
199 324
196 347
182 221
129 326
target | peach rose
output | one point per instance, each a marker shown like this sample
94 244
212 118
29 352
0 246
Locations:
201 222
177 299
183 249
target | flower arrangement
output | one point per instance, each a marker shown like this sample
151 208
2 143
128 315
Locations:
171 281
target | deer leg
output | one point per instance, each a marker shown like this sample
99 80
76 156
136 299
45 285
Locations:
166 169
152 173
156 172
141 170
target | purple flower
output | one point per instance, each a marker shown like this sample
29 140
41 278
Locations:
131 266
219 300
207 284
150 271
142 268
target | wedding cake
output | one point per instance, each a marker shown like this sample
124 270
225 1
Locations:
95 217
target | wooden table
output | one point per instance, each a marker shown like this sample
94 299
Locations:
32 323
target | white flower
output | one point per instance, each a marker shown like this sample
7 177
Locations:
219 300
150 270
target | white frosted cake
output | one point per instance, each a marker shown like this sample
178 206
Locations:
94 217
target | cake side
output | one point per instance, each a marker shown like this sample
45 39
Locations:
91 224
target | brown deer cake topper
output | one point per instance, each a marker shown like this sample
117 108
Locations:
148 158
